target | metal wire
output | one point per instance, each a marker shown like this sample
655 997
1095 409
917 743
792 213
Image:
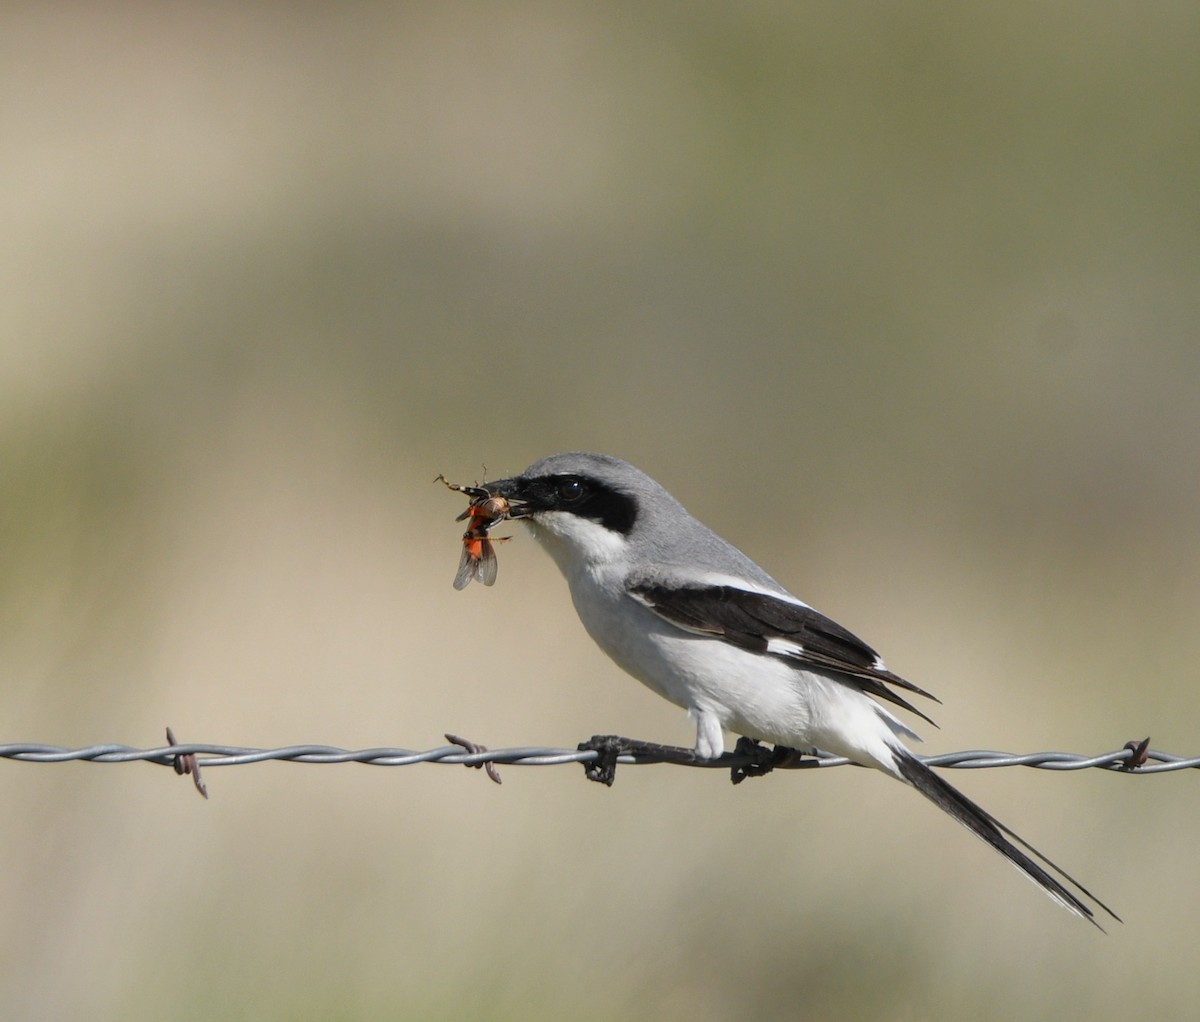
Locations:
206 755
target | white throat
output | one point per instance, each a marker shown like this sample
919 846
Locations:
576 544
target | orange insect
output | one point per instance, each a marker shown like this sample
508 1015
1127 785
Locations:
478 559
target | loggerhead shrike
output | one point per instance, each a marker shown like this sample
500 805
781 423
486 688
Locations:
698 622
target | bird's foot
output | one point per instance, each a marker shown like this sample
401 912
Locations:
760 760
603 769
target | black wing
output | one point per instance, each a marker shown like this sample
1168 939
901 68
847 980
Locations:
766 624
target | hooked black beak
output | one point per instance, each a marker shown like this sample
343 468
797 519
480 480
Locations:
515 492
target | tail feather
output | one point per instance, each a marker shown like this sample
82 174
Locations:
985 826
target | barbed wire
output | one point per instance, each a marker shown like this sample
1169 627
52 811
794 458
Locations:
190 757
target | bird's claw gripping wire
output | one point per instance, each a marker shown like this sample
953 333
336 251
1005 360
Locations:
757 760
603 769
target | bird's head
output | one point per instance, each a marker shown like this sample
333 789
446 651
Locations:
585 508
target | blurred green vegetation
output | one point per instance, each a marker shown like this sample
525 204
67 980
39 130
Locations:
902 300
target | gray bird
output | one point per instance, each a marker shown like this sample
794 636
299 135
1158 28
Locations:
698 622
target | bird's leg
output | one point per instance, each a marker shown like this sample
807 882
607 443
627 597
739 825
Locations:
760 760
603 768
751 758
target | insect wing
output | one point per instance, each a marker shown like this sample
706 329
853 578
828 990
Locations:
467 566
478 560
485 569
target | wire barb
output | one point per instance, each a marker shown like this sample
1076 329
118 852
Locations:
186 764
470 746
1138 753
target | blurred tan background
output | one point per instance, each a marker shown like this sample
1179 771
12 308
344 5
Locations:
903 302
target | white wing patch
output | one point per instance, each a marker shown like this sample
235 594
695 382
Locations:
785 647
788 648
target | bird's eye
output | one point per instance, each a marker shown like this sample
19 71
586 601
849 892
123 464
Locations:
570 490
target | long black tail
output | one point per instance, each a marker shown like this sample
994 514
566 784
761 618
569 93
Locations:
984 825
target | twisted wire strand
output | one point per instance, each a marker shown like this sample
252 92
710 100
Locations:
207 755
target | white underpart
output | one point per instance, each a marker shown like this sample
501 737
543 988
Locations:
721 686
794 650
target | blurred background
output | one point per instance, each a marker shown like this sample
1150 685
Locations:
903 301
